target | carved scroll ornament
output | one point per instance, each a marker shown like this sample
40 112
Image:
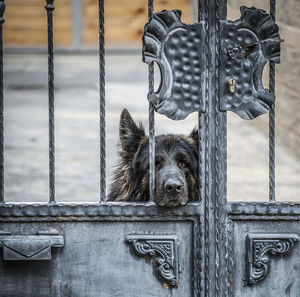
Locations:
260 248
163 250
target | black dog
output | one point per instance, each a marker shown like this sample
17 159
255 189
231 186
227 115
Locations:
176 166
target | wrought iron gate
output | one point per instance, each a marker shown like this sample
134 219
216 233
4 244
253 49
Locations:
206 248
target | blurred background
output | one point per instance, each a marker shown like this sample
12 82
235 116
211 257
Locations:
77 99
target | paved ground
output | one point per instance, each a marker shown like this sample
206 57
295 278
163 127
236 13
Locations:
77 130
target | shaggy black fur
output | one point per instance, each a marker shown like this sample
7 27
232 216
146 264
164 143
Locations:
176 168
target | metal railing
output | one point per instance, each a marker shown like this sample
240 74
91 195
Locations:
272 119
201 122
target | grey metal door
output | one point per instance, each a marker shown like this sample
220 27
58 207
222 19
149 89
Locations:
206 248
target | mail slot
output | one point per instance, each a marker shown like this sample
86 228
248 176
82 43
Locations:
30 247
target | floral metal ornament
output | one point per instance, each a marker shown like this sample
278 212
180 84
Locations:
163 250
260 248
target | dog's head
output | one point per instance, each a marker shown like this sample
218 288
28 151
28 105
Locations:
176 166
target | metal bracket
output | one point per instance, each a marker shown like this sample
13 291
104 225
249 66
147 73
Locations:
178 50
260 248
30 247
163 249
246 45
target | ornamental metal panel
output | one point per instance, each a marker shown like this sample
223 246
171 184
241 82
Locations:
247 44
98 255
178 49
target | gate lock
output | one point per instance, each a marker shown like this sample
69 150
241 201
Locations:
31 247
246 45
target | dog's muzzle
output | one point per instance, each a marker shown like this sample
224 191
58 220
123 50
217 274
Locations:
171 189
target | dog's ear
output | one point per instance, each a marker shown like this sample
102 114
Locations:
194 136
130 134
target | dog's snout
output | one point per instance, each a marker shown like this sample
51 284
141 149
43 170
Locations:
173 186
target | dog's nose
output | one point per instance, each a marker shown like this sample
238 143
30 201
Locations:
173 186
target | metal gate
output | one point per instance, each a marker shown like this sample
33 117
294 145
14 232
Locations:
206 248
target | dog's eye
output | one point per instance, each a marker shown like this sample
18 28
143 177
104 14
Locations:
182 164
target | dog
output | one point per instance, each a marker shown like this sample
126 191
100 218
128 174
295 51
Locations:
176 166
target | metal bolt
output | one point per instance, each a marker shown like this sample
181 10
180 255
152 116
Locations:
231 83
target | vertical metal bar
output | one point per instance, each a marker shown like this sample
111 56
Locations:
2 9
203 161
217 151
221 287
272 120
50 7
151 121
102 103
201 121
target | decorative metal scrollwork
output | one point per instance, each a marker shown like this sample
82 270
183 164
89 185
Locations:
260 248
163 248
246 45
178 50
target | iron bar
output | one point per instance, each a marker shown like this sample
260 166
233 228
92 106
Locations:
201 121
2 9
50 7
272 120
151 121
217 151
207 187
102 103
203 159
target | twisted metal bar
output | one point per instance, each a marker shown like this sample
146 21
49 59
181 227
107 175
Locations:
207 187
229 258
201 148
272 120
2 9
151 121
217 152
50 7
203 161
102 103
